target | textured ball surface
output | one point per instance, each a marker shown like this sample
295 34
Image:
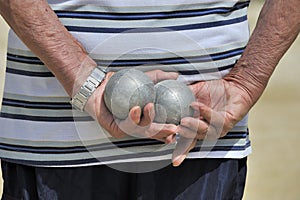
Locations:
173 99
128 88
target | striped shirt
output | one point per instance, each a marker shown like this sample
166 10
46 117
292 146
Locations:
202 40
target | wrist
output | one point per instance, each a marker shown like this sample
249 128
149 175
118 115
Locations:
87 88
96 103
251 79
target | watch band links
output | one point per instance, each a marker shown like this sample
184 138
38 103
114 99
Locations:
90 85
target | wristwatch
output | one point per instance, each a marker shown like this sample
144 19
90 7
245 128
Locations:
90 85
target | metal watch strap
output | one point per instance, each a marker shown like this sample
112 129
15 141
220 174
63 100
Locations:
90 85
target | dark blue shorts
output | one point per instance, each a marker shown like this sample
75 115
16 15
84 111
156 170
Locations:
207 179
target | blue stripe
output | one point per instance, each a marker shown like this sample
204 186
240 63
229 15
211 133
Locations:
107 146
29 73
109 158
233 135
149 15
79 149
24 59
89 160
139 62
170 61
118 63
163 29
222 148
203 71
37 105
45 119
117 157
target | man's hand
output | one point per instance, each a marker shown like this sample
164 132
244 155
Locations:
139 122
220 105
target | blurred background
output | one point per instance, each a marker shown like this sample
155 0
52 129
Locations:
273 167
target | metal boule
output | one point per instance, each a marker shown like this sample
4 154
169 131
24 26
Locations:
128 88
172 103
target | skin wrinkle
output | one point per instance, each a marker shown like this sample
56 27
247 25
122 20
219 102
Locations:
253 71
62 53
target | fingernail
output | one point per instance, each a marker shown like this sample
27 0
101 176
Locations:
195 105
152 111
178 160
171 140
183 122
137 112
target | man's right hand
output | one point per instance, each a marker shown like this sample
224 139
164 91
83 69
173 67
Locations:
139 123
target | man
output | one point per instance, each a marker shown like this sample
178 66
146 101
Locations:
50 151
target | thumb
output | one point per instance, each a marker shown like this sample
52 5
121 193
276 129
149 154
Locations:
182 148
135 114
159 75
203 110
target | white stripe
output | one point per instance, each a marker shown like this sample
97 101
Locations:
155 53
50 131
186 67
53 99
134 3
179 41
200 77
75 156
86 155
223 142
151 22
215 154
27 67
41 112
60 131
33 86
174 42
221 154
213 37
14 42
139 54
154 158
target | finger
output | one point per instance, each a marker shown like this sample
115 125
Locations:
183 146
199 86
109 75
159 131
130 123
197 114
167 140
196 109
192 134
159 75
187 133
148 115
134 115
216 120
193 128
212 133
205 111
201 92
170 139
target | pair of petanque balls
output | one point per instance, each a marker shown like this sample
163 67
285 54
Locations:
130 87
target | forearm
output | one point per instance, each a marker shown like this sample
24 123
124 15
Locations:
277 27
39 28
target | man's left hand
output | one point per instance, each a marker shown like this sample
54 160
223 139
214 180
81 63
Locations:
219 105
